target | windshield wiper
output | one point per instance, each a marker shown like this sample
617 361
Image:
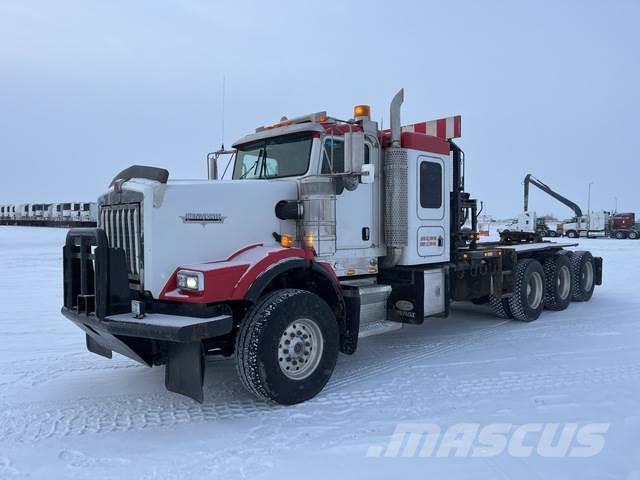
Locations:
255 164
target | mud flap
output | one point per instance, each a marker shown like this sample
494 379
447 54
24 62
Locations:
184 373
598 273
98 349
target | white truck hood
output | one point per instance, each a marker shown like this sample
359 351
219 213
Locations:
190 222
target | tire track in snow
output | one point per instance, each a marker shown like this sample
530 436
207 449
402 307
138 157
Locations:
41 370
424 351
411 357
514 382
131 414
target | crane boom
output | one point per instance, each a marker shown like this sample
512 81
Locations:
530 179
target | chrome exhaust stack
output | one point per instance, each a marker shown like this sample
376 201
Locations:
394 115
396 190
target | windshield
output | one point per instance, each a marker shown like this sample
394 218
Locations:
277 157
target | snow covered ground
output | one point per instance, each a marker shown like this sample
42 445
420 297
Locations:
66 413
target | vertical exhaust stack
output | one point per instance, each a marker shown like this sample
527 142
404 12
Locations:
394 115
396 190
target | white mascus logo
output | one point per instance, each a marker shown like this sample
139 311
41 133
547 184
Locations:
203 218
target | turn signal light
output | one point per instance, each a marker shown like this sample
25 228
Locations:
362 111
308 240
286 241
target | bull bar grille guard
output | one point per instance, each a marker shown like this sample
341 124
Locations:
95 276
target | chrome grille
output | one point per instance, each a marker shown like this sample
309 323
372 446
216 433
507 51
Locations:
122 225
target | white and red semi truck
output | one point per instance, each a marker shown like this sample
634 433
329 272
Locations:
328 230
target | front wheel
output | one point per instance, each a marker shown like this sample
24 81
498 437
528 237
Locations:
572 234
287 346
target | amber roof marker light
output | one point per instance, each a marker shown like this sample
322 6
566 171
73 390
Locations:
361 112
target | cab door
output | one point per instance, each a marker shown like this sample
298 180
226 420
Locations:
354 200
433 192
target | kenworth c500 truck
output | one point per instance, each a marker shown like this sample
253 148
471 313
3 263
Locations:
328 230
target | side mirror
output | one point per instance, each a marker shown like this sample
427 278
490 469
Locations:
353 152
367 173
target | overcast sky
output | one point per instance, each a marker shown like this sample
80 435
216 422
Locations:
544 87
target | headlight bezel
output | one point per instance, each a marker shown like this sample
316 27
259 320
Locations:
190 281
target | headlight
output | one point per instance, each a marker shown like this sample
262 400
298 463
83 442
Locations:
188 280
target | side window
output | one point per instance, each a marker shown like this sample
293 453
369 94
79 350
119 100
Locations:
367 154
430 185
333 156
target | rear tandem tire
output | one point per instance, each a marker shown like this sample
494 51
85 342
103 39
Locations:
269 362
558 277
500 306
633 235
527 300
583 271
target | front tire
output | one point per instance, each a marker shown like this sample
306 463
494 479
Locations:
558 282
527 300
572 234
287 346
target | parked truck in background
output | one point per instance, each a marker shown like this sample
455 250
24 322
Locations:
624 225
593 224
88 212
329 230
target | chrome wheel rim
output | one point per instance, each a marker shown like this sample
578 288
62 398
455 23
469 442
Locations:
564 282
534 290
300 349
587 276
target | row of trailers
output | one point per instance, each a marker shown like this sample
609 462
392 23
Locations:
73 214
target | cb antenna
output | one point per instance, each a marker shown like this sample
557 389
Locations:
224 78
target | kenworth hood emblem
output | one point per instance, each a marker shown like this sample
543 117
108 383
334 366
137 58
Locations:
203 218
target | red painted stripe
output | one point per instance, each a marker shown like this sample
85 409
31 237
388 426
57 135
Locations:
441 128
425 143
457 127
420 127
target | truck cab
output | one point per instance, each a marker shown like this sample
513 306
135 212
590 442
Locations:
592 224
623 225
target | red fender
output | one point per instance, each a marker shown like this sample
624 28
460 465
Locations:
232 278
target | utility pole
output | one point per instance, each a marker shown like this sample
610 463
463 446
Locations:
589 210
